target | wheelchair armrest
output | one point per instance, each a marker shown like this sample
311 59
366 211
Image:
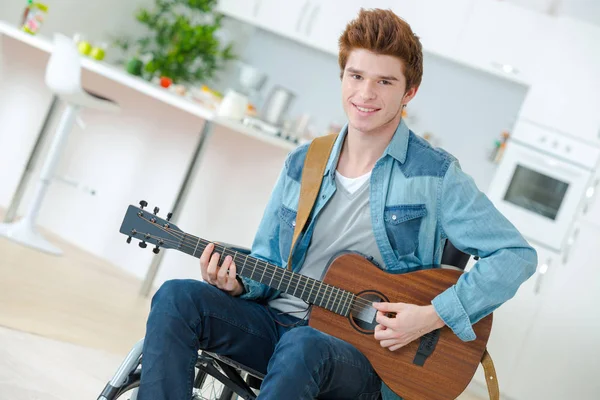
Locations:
243 250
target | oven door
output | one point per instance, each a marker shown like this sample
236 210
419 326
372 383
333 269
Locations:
538 193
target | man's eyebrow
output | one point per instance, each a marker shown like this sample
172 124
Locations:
359 72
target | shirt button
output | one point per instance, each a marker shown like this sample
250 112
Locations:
293 223
394 217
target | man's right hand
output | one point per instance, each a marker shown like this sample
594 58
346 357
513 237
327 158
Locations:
224 276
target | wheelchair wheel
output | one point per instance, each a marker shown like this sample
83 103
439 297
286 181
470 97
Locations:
206 387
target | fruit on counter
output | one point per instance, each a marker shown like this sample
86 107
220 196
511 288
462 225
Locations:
98 53
84 47
134 66
213 92
165 81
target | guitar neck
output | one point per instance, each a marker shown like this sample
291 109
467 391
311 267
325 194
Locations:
310 290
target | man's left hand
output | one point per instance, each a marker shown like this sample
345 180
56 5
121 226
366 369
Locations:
410 323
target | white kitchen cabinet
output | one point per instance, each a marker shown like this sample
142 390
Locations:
561 357
513 321
319 23
438 23
285 18
246 10
326 21
565 94
505 38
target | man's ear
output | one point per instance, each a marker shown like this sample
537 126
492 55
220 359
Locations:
409 95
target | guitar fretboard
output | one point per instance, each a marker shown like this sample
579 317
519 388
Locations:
310 290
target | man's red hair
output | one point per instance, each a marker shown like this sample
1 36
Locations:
383 32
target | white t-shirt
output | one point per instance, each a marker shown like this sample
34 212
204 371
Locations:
352 184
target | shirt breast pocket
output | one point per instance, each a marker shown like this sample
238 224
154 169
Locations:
287 223
402 224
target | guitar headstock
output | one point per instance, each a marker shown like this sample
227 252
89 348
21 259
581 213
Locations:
149 228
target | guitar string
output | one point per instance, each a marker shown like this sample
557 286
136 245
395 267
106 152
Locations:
322 291
190 241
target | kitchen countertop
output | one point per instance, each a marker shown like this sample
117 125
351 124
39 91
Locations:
120 76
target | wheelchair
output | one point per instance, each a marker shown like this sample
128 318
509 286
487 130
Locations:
218 377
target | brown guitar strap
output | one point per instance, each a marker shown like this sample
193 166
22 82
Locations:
490 376
312 176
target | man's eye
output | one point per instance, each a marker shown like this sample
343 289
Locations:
386 82
356 76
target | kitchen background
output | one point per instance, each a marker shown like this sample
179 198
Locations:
526 70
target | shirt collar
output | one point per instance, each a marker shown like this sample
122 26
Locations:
397 147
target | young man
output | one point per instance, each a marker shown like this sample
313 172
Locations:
386 193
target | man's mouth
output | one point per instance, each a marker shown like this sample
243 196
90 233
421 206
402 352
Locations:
365 110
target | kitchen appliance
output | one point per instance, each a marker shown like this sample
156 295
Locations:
276 105
251 81
234 105
541 182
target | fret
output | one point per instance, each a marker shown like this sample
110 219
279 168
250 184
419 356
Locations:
303 289
253 269
322 295
296 285
272 276
349 306
280 280
263 274
311 290
197 243
337 293
342 302
328 300
289 281
243 265
345 313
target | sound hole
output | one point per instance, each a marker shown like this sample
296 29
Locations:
362 314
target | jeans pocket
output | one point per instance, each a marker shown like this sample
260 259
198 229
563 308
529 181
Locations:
402 224
287 224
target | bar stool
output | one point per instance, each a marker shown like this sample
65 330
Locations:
63 77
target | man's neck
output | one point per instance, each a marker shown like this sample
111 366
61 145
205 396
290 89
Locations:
361 150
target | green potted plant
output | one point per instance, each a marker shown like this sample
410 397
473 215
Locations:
181 44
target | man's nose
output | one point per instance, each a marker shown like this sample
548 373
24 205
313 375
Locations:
367 91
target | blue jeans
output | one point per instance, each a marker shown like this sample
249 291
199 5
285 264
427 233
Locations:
299 362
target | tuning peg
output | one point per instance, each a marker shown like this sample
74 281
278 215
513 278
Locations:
143 204
143 245
129 239
169 215
156 210
156 250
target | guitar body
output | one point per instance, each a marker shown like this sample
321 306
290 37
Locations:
446 372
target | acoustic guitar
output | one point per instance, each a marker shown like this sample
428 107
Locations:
438 366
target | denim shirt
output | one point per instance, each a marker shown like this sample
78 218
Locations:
419 198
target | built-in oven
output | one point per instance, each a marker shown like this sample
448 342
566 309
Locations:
541 182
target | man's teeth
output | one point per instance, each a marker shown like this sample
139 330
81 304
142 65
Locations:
365 109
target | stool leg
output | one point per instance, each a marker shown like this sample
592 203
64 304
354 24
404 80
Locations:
24 230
